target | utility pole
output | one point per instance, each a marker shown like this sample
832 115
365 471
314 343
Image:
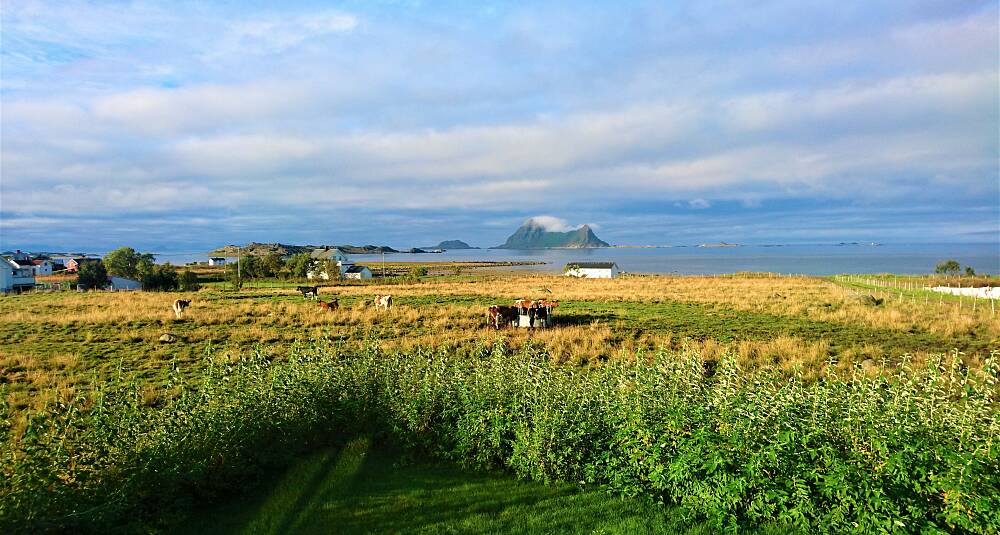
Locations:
239 274
383 264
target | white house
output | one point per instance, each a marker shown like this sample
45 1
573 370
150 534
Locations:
42 267
323 257
216 261
14 278
357 272
123 284
593 270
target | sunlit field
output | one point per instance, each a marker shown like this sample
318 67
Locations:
640 380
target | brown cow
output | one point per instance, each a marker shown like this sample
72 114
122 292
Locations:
332 305
502 316
180 305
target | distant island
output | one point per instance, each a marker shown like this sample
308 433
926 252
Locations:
534 235
453 245
264 249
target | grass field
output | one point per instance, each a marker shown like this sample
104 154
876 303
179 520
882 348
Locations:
58 343
64 352
359 488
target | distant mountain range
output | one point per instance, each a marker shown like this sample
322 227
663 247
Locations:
263 249
533 235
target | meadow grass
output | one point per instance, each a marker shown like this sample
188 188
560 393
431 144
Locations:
55 344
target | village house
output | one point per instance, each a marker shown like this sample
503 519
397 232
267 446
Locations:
41 268
330 256
73 264
592 270
14 277
216 261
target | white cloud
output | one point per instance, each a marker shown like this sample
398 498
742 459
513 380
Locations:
551 223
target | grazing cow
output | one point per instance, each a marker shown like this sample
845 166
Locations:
180 305
308 291
332 305
502 316
383 302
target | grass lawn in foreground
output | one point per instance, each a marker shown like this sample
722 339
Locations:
362 489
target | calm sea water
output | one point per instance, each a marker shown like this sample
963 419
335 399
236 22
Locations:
804 259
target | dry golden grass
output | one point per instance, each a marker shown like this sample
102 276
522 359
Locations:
57 343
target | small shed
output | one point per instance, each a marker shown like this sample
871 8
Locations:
592 270
357 272
216 261
119 284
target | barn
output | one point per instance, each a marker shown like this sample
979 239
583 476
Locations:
592 270
216 261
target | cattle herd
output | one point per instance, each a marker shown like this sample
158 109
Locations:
523 313
540 312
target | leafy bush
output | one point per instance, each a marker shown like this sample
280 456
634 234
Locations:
161 278
912 451
92 275
189 281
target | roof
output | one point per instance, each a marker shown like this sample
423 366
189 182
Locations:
355 269
86 259
590 265
327 254
217 258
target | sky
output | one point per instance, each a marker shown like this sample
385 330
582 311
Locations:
176 126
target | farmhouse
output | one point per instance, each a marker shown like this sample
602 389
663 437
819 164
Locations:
14 278
357 272
42 267
592 270
216 261
333 256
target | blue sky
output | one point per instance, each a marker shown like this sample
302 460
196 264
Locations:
181 126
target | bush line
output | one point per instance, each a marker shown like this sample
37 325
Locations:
904 451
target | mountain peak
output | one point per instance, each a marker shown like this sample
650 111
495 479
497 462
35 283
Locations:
534 234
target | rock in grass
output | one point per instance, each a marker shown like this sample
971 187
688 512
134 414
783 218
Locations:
872 300
167 338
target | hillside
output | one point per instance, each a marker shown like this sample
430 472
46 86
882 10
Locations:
263 249
453 245
533 235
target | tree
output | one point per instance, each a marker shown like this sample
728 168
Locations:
189 281
271 265
969 272
299 265
948 267
127 262
161 278
92 275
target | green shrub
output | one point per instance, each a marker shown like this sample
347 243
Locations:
908 451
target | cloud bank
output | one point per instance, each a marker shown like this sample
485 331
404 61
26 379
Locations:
177 125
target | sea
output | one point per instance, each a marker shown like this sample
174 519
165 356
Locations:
815 259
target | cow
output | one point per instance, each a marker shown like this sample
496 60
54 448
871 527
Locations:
307 291
502 316
383 302
180 305
332 305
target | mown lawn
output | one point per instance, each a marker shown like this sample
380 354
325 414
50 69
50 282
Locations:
364 489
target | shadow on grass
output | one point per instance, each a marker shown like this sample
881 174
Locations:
358 489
